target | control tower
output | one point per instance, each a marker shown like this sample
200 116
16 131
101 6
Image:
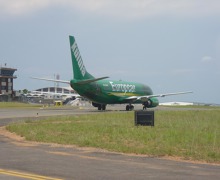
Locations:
6 81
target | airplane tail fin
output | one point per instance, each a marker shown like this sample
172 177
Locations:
79 70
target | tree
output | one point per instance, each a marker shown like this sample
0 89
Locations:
25 91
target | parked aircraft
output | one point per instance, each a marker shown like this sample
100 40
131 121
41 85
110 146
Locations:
102 92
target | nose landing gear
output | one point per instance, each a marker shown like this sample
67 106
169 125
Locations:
146 104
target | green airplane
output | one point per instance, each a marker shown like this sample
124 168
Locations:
102 92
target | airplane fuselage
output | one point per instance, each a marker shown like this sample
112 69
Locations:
111 92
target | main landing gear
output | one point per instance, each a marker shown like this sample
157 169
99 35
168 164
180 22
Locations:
101 107
129 107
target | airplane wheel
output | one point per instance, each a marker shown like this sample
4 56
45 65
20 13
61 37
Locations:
129 107
103 107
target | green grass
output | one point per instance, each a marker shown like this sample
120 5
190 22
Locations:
17 105
191 135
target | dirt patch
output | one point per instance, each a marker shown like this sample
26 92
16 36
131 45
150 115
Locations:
10 135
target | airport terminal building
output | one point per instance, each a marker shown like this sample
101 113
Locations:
55 92
6 83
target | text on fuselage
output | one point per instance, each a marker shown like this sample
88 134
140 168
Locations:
122 87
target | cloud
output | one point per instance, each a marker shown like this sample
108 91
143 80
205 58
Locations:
19 7
207 59
118 8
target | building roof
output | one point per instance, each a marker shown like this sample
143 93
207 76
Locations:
6 72
7 68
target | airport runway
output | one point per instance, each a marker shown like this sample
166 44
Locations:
28 160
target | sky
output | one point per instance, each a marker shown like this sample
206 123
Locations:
169 45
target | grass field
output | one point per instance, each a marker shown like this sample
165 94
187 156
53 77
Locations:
191 135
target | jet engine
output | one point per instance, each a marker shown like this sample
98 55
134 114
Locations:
152 102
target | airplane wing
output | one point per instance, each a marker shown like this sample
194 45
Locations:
145 98
169 94
86 81
53 80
